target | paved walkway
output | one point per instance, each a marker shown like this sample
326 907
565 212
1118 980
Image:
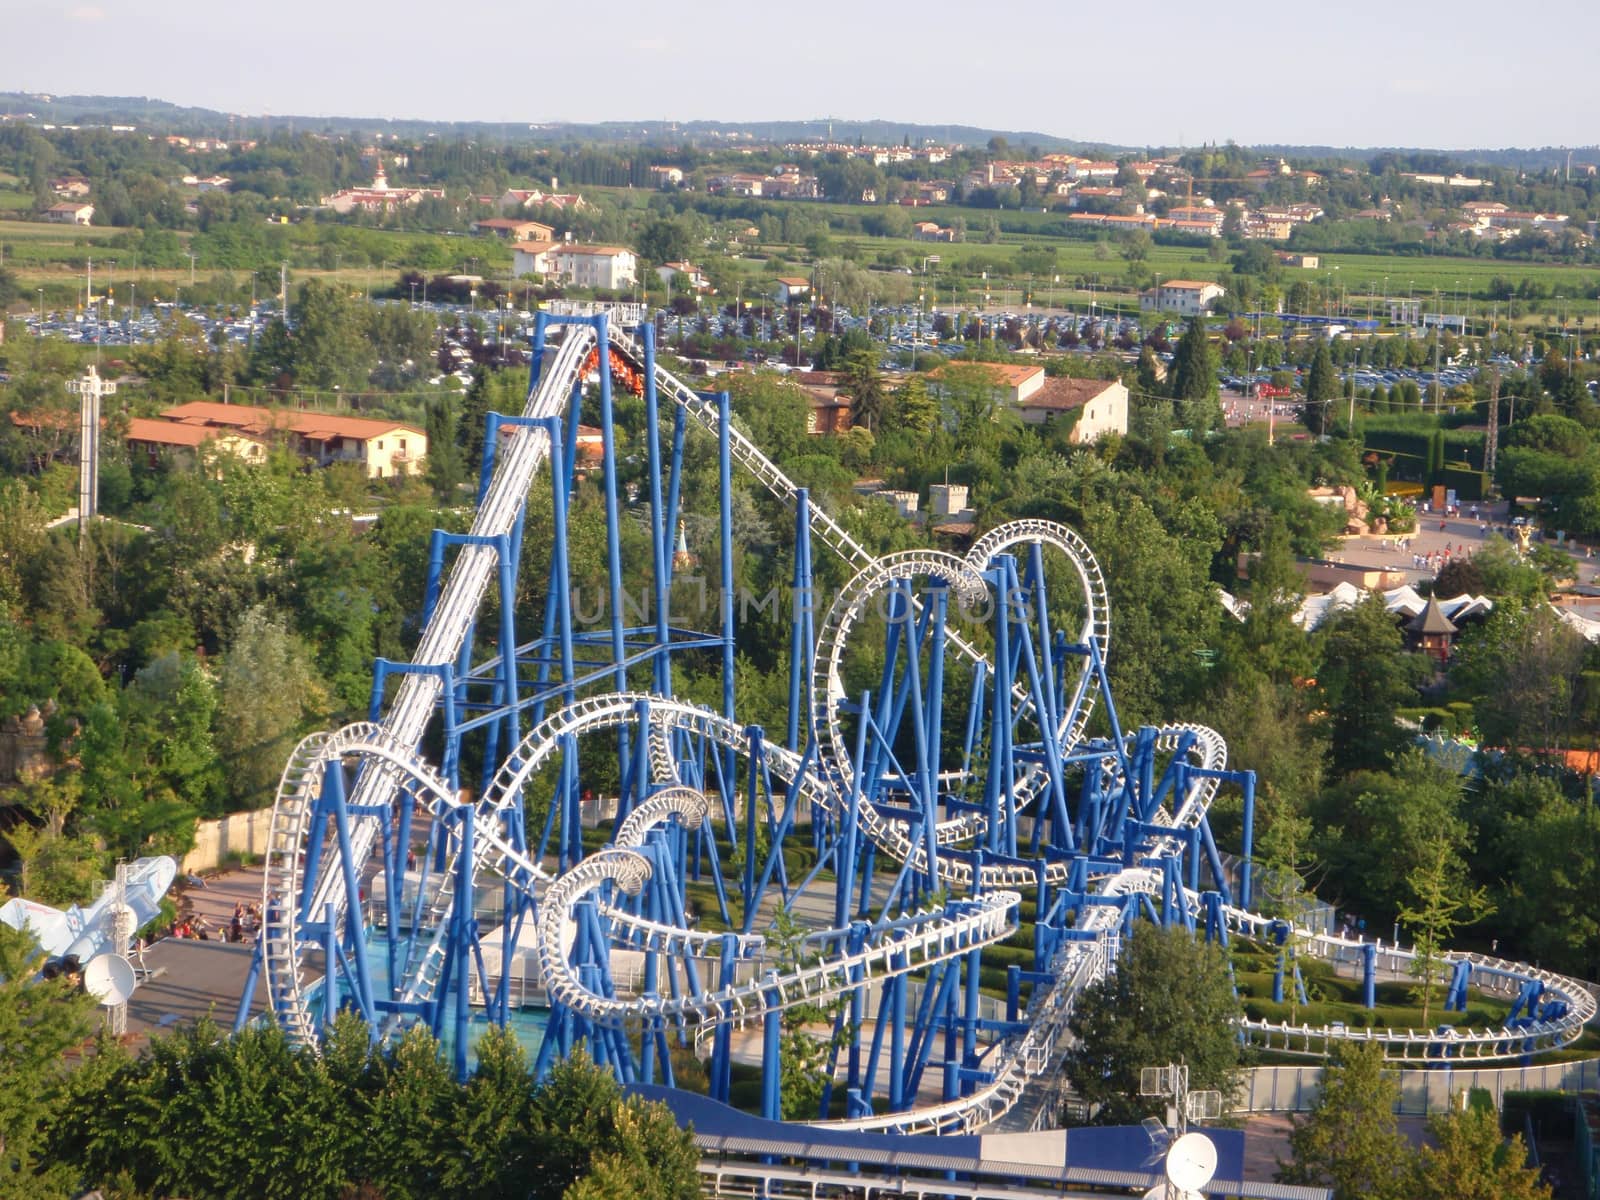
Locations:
1434 534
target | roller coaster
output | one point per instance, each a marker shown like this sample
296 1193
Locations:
971 817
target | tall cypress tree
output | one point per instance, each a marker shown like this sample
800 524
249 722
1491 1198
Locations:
1193 379
1322 388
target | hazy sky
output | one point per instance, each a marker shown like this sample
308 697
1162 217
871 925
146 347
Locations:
1474 73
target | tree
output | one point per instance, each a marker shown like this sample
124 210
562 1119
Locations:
1134 1018
40 1020
1270 643
1322 388
1442 905
444 467
330 341
1193 380
912 409
666 239
1551 874
866 390
1375 828
491 390
602 1147
266 691
1366 675
1469 1160
1350 1140
1524 668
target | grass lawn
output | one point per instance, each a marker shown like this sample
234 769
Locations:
14 231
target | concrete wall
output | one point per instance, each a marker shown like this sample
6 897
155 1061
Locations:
238 833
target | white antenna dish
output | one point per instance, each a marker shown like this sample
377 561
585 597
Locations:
1191 1162
110 978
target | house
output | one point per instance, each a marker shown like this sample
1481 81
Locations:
1086 195
70 212
1098 406
827 408
384 448
932 231
515 198
1306 262
1013 383
666 177
531 258
380 197
156 440
1208 213
791 290
70 187
1260 228
1184 297
741 184
515 231
608 267
1082 169
682 275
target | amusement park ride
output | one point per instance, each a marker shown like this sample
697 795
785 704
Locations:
953 767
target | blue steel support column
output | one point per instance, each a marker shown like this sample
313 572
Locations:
845 862
897 1038
680 422
772 1058
352 894
799 656
565 800
1000 837
608 437
725 521
1249 785
753 737
661 534
465 921
1369 975
725 524
939 601
722 1039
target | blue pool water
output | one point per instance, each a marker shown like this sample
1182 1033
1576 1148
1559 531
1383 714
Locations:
528 1024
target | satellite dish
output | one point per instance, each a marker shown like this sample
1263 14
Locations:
110 978
1191 1162
1160 1192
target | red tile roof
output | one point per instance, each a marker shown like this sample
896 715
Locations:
1062 393
249 418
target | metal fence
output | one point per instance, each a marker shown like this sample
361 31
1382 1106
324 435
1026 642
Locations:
1295 1089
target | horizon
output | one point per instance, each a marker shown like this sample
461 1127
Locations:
1406 91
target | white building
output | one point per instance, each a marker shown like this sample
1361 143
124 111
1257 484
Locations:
608 267
1184 297
531 258
1101 407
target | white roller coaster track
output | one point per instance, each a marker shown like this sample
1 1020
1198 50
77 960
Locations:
459 600
831 534
929 937
932 936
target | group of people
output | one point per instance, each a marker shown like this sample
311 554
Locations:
241 927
